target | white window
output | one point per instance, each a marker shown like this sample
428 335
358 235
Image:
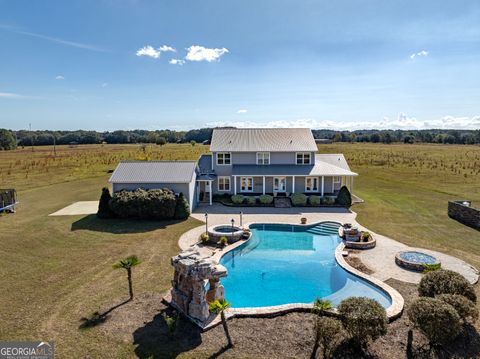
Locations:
311 184
246 184
337 179
303 158
279 184
223 158
224 183
263 158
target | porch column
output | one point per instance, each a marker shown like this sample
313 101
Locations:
333 185
234 185
293 184
263 184
323 182
211 188
351 185
198 191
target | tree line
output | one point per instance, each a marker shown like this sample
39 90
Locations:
12 139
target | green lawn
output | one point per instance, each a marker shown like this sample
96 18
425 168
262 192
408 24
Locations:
57 269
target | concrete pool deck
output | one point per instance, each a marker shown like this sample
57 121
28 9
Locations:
381 259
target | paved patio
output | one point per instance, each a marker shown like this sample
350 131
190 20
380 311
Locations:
380 259
83 207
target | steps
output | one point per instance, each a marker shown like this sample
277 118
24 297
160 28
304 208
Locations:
282 202
327 228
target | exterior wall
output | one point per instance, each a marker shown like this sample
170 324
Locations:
467 215
192 194
176 187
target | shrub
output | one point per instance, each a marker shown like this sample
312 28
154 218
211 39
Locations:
104 210
251 200
223 241
436 319
298 199
238 199
344 198
182 209
204 237
445 282
321 305
171 321
314 200
465 308
266 199
328 200
329 333
151 204
431 267
365 236
363 318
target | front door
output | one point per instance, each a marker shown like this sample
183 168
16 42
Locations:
207 187
279 184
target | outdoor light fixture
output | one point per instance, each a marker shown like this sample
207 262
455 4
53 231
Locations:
206 222
233 222
241 221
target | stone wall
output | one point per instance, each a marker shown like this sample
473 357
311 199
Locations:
463 212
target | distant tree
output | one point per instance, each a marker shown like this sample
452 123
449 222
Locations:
375 138
193 143
408 139
387 138
337 138
161 141
7 141
127 264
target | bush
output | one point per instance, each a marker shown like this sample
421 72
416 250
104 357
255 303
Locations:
363 318
298 199
223 241
182 209
436 319
151 204
445 282
251 200
365 236
328 200
431 267
104 210
266 199
204 237
344 198
465 308
329 333
238 199
314 200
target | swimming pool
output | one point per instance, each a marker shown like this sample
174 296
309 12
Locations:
284 264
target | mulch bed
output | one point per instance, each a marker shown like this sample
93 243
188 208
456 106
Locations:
288 336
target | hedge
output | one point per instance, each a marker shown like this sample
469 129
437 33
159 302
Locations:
151 204
445 282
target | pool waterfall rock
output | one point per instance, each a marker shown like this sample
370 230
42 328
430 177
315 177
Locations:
189 293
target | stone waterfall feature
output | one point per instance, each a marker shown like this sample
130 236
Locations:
189 291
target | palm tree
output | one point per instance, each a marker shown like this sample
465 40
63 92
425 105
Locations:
320 306
218 307
127 264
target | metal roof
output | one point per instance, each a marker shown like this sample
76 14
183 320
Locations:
319 169
336 159
205 164
154 172
263 139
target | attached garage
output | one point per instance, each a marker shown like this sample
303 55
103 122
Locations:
179 176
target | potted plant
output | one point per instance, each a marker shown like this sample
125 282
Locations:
204 238
303 220
223 241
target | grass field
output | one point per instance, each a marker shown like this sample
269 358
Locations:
57 269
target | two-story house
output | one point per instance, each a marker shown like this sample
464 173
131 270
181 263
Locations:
248 161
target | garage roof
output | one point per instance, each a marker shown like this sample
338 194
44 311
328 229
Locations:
154 172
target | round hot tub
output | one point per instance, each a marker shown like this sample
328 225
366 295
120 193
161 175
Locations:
233 233
414 260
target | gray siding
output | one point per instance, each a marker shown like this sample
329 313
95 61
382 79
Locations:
250 158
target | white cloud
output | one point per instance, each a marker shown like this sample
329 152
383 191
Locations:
422 53
242 111
176 62
165 48
59 77
148 51
402 122
9 95
154 53
105 84
200 53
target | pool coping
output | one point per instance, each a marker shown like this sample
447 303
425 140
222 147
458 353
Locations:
393 311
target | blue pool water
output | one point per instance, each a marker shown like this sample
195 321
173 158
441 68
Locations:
284 264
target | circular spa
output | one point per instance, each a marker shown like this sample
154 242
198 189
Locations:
233 233
415 260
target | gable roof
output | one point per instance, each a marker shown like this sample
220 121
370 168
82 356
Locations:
263 139
154 172
336 159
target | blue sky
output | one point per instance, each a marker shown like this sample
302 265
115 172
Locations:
107 64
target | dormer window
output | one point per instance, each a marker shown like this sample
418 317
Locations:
263 158
303 158
224 158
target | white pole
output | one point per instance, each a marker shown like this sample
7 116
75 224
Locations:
333 185
211 192
323 182
263 184
234 185
293 184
